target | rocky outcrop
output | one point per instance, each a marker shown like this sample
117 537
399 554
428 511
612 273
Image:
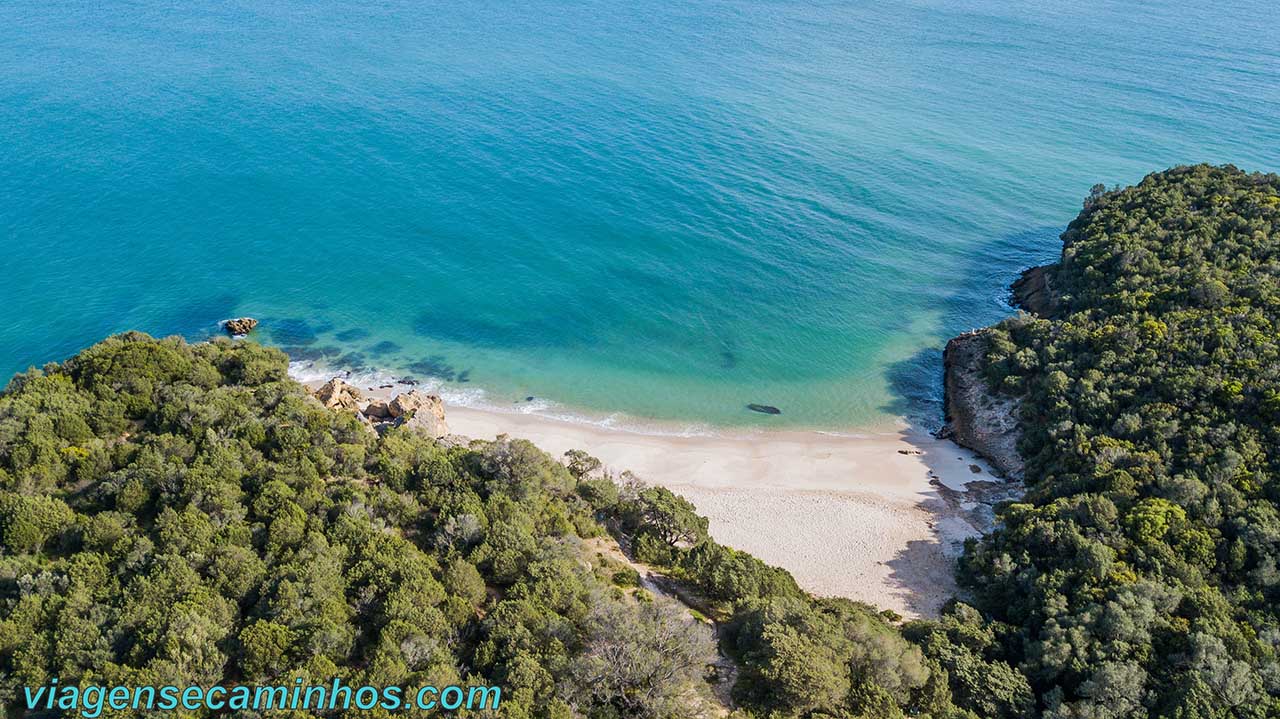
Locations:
336 394
977 417
239 326
1033 291
408 402
428 423
414 410
419 411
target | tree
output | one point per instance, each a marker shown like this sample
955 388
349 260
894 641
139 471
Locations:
670 517
642 659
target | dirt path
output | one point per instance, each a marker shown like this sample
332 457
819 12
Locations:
659 584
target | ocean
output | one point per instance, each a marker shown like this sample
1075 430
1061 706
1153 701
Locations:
643 213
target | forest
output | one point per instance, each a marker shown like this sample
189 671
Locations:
1138 577
184 513
175 513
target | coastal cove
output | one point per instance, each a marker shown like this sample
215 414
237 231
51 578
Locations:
190 509
877 516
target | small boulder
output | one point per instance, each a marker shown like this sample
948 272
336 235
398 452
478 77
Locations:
338 394
407 402
239 326
378 410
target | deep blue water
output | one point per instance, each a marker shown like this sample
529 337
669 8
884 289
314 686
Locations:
666 209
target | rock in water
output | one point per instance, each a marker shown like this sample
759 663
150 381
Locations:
1033 291
764 408
338 394
239 326
423 412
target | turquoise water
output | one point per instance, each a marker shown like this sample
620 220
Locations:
663 209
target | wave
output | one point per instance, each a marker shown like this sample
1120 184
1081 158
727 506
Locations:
312 371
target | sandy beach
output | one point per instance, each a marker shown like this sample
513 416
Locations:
865 516
851 516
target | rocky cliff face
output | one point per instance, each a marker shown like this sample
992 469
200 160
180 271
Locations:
978 418
1033 290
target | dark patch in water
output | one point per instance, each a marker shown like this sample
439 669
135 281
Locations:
351 335
385 347
351 360
197 319
294 331
764 408
728 354
464 376
916 382
567 329
436 366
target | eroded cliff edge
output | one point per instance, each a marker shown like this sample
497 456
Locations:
1033 291
977 417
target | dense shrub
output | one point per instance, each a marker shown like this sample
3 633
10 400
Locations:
1140 571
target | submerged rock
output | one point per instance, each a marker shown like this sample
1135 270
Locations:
764 408
239 326
978 417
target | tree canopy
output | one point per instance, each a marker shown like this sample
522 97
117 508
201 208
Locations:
175 513
1139 577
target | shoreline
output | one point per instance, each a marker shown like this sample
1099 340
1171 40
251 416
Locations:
373 382
876 516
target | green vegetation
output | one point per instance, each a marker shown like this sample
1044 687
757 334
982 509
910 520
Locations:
1139 577
175 514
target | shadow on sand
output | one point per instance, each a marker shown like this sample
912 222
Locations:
924 571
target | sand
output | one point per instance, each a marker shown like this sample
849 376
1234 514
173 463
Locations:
848 515
870 516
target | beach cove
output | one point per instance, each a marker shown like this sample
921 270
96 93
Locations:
878 517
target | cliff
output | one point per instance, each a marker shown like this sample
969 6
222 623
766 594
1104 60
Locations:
977 417
1033 291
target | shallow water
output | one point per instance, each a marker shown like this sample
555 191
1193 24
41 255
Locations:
667 210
